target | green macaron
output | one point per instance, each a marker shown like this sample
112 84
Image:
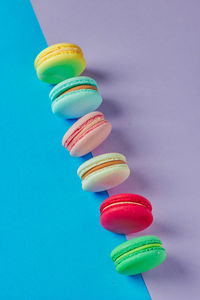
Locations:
138 255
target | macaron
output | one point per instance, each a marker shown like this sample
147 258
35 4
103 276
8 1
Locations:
138 255
75 97
126 213
86 134
103 172
59 62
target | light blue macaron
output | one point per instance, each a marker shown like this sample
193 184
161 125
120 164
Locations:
75 97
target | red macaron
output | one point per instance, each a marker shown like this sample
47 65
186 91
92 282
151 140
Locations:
126 213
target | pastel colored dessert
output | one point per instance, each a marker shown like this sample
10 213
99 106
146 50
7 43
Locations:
103 172
86 134
126 213
138 255
75 97
59 62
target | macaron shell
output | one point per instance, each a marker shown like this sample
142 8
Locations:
76 104
60 67
91 140
106 178
142 261
126 218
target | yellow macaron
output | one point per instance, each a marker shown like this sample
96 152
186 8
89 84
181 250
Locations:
59 62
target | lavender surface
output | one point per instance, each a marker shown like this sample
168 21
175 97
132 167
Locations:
145 58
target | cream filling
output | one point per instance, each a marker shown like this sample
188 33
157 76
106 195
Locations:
78 88
101 166
125 202
72 140
55 52
148 246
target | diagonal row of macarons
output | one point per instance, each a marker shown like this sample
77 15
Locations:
76 96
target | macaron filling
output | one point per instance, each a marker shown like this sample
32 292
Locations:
137 250
125 199
85 128
80 87
101 166
75 88
122 203
58 50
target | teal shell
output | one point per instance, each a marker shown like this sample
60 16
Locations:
74 104
141 260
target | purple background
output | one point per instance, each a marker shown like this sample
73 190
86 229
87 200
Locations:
145 58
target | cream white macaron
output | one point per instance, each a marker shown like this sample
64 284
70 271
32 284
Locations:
103 172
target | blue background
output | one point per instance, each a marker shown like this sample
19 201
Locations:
51 243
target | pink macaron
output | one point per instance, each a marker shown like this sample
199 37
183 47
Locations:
86 134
